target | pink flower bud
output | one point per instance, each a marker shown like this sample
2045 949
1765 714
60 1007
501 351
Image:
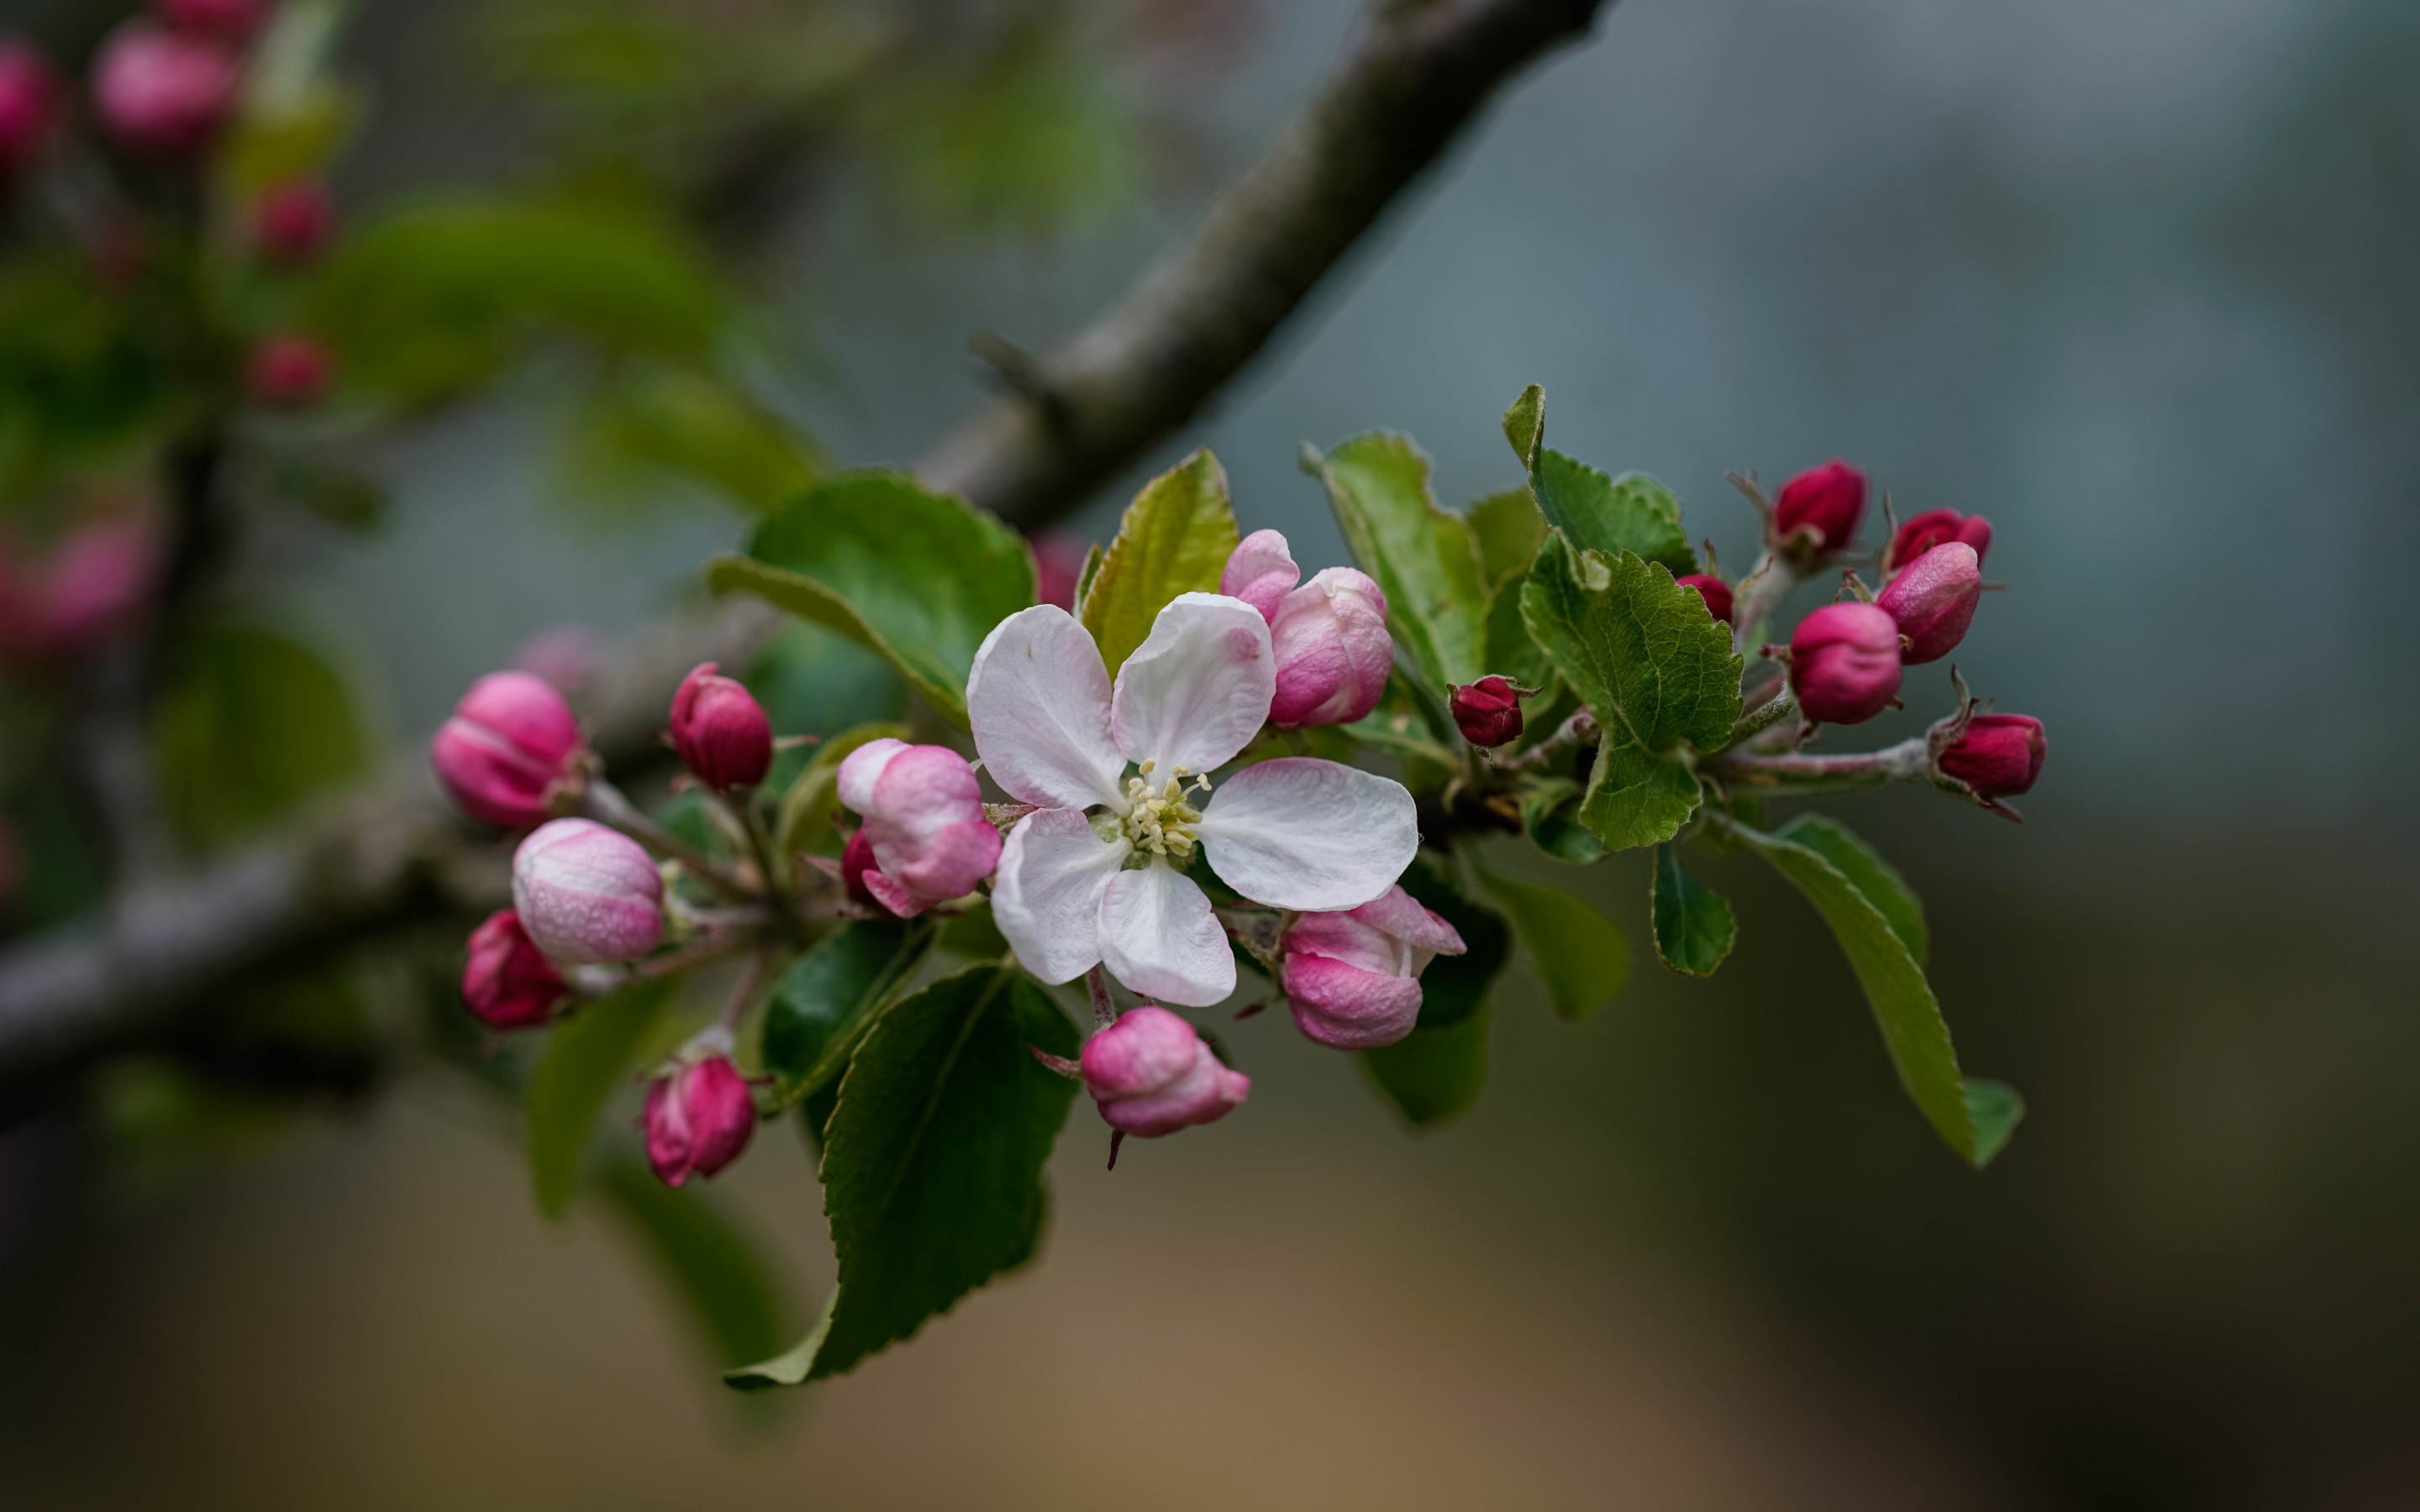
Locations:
29 104
289 372
1058 561
511 740
1261 572
164 90
1354 976
700 1114
1827 501
1332 651
721 731
292 221
1716 594
587 895
507 983
1933 601
1488 712
1936 527
1844 663
924 824
92 586
857 863
1999 755
234 19
1152 1075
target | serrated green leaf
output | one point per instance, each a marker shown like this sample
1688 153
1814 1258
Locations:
1524 425
830 999
1880 882
590 1054
251 725
1432 1075
1453 987
1694 926
1632 512
813 798
1509 530
717 1272
1581 956
1424 560
1637 798
933 1159
1903 1003
919 578
1175 538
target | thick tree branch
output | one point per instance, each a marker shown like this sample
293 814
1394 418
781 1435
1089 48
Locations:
1417 72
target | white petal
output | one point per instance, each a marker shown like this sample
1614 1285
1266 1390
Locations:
1297 833
1046 895
1159 937
1197 690
1038 700
862 769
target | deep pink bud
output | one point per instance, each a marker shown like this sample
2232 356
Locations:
508 982
292 221
1936 527
856 864
1332 650
924 824
95 584
1488 712
1058 561
587 895
1826 500
1261 572
1933 601
233 19
1354 976
289 371
1716 594
164 90
1999 755
1844 663
700 1114
511 739
29 103
721 731
1152 1075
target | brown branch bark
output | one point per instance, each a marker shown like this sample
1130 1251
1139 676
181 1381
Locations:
1416 74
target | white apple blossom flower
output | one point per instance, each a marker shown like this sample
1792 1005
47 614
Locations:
1093 876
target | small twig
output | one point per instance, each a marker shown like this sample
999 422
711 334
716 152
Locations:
1105 1012
604 802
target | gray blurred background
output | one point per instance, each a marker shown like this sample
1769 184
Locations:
2132 278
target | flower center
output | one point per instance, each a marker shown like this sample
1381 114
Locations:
1158 819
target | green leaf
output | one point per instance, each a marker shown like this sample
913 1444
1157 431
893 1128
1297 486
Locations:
1694 928
1088 574
1510 531
813 796
660 420
933 1159
1657 669
1866 870
1175 538
1903 1003
1433 1074
974 935
1525 425
1425 560
919 578
1632 512
589 1056
1454 987
1581 956
1550 816
251 725
831 998
790 1367
1511 651
707 1259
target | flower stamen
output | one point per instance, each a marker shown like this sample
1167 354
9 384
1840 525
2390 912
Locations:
1158 820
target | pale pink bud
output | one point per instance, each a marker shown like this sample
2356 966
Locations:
1844 663
1261 572
164 90
1999 755
508 982
289 371
1152 1075
1354 976
721 731
29 104
588 895
511 740
235 19
1332 651
95 584
700 1114
1936 527
925 823
1933 601
1825 501
292 221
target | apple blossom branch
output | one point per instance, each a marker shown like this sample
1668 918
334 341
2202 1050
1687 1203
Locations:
1415 75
